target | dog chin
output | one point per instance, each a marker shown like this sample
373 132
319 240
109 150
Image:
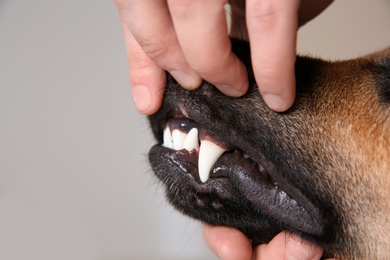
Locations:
240 188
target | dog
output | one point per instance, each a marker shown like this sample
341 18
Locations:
319 170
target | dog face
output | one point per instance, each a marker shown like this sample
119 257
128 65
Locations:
319 170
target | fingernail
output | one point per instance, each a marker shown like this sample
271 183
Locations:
142 97
275 102
186 80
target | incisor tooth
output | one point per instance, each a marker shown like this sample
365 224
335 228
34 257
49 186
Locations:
178 138
167 137
209 153
191 142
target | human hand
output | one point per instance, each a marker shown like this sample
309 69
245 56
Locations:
229 244
189 39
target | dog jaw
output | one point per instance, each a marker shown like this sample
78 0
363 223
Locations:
332 145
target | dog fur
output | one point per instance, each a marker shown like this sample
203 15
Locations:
333 145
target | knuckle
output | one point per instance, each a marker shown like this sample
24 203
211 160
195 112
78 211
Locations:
140 63
262 9
155 48
181 9
271 9
184 8
185 4
123 7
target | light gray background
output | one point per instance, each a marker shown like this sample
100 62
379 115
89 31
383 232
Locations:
74 179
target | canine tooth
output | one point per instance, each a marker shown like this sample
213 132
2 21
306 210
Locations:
167 137
209 153
191 142
246 156
178 138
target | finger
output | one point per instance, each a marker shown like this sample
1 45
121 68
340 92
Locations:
272 28
288 246
147 80
227 243
151 26
201 28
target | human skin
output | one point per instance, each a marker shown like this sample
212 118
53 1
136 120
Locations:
230 244
189 39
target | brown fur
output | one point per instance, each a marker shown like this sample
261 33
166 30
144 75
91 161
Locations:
360 133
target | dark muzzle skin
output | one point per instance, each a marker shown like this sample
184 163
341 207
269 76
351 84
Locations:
314 170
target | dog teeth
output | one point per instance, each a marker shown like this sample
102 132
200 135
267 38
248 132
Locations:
246 156
168 142
178 138
209 153
191 142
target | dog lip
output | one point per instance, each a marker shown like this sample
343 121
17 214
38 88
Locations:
283 202
280 200
258 187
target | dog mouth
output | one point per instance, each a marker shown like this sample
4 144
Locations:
197 157
182 134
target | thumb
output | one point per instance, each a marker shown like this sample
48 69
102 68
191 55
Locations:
288 246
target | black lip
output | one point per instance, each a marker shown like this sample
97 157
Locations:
281 201
217 201
285 205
